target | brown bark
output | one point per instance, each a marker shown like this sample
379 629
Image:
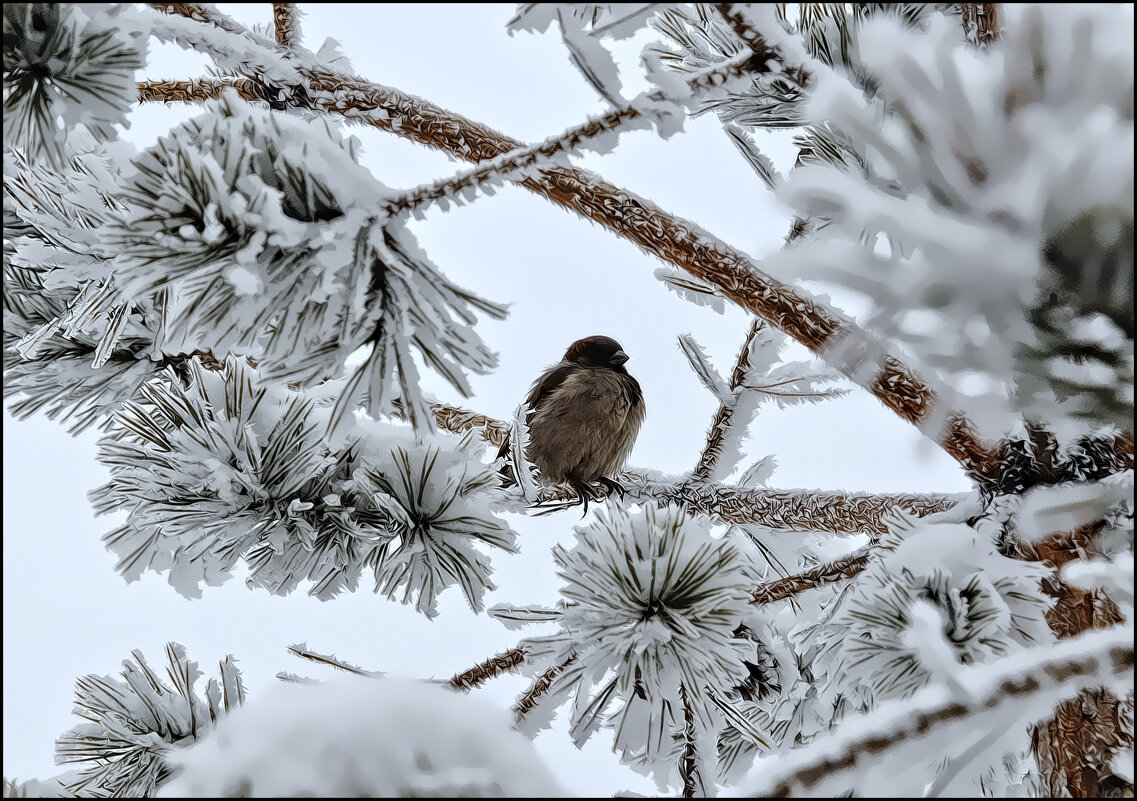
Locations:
195 90
482 672
829 573
1075 747
285 23
540 686
980 22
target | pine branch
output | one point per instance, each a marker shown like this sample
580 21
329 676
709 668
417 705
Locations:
286 24
833 337
725 414
1007 688
538 688
194 90
493 667
793 510
839 570
824 331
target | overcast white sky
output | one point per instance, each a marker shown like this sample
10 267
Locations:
67 613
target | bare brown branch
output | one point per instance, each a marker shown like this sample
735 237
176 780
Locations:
980 22
540 686
829 573
484 671
195 90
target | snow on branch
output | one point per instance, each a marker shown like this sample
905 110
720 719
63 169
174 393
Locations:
376 738
792 509
1013 691
271 248
138 720
230 48
650 606
67 65
757 377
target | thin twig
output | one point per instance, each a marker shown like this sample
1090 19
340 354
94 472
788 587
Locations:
303 652
839 570
725 414
540 686
689 756
568 141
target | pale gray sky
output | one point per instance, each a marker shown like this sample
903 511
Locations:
66 612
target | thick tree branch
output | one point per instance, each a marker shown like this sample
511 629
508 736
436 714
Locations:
195 90
980 22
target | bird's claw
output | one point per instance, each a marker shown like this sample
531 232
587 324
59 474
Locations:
612 486
585 493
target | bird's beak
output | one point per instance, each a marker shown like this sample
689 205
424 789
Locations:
618 358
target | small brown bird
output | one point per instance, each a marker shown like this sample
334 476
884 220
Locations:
584 415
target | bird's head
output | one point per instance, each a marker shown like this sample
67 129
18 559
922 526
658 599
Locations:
596 351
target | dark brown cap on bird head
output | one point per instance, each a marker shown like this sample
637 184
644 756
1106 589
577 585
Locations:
596 351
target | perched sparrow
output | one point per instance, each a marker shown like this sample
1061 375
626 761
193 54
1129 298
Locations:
584 415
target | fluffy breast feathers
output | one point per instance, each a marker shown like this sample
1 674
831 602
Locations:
583 422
